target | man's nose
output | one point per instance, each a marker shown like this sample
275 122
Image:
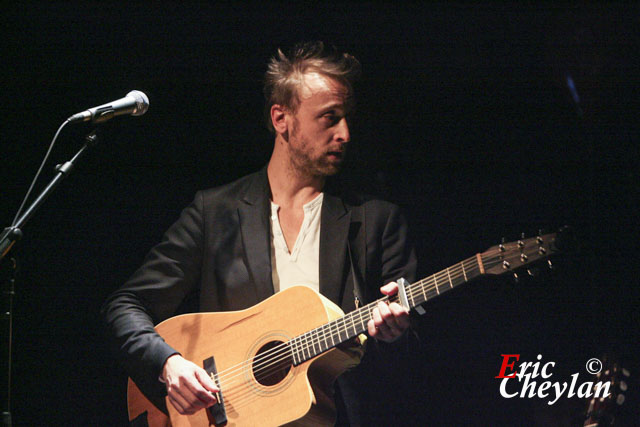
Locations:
342 132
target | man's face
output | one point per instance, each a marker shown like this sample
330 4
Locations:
318 131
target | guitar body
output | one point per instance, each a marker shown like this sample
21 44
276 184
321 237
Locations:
254 395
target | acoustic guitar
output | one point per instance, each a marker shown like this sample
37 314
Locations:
275 363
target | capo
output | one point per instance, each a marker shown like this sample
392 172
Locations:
402 296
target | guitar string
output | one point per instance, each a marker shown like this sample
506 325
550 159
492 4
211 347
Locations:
315 336
319 334
240 396
313 339
248 396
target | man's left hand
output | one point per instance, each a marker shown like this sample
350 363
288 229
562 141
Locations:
389 320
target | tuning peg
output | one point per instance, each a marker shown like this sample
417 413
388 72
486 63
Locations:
501 245
516 279
550 264
539 237
505 264
521 241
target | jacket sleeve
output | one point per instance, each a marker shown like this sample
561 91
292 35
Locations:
397 260
170 272
398 257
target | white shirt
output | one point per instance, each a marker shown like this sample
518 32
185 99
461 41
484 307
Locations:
301 265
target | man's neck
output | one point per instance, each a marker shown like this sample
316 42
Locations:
290 188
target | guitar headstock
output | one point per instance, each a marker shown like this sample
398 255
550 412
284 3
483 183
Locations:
513 256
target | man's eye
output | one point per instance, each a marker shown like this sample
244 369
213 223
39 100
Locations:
331 118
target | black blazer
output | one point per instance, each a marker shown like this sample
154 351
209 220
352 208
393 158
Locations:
216 257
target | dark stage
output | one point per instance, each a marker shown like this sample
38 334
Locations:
480 121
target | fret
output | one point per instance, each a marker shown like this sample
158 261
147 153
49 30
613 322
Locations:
306 346
342 330
333 343
353 325
300 349
362 322
315 342
433 293
424 293
338 332
464 272
413 301
435 280
345 325
309 344
292 346
325 333
332 333
325 344
369 314
449 275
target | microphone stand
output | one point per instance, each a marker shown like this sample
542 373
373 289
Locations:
11 235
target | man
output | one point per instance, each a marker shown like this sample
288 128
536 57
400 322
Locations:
237 244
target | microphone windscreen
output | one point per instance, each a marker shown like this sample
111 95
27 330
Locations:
142 102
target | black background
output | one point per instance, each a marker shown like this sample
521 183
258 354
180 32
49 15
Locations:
464 118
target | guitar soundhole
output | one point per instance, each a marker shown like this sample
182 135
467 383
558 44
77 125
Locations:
272 363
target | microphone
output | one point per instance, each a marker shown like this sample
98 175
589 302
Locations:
135 103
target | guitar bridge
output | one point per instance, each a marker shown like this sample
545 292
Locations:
217 411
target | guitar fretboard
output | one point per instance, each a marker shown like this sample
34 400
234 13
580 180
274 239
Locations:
318 340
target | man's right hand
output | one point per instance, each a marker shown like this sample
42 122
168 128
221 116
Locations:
189 387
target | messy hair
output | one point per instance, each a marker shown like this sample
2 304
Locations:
285 73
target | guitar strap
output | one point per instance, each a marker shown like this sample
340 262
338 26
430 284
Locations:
357 287
355 241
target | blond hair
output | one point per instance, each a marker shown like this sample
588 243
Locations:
285 73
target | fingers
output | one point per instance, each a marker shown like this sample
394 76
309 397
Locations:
179 403
390 288
206 381
400 315
389 321
189 387
197 388
188 398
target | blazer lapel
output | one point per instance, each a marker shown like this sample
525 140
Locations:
253 213
334 232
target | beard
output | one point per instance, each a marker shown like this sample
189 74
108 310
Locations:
327 163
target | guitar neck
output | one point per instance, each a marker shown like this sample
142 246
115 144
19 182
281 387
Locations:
326 337
500 259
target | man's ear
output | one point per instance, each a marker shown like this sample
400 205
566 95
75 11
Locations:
278 118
